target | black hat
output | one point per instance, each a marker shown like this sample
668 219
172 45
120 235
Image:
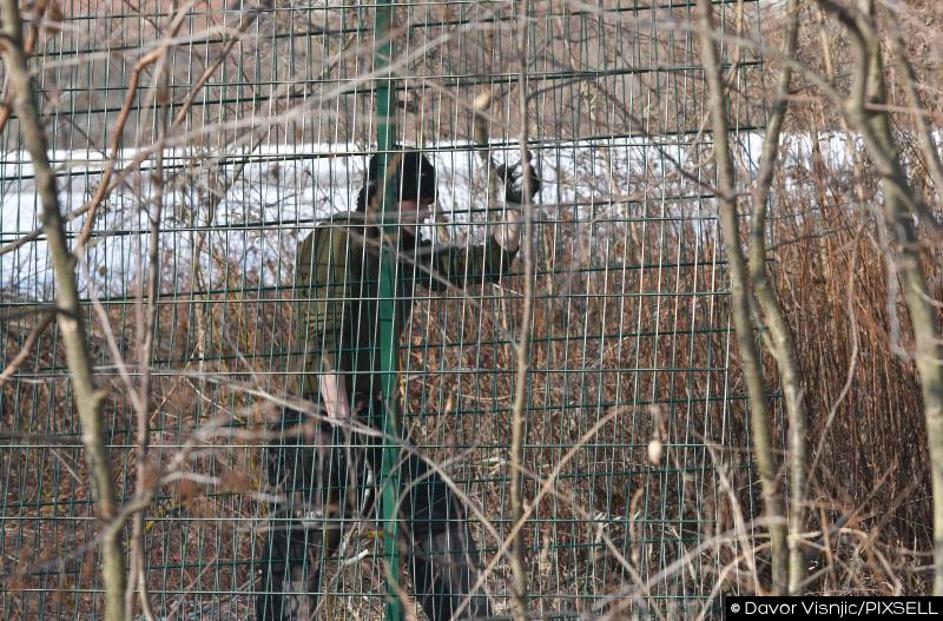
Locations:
416 177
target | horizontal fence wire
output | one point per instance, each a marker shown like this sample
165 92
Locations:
257 122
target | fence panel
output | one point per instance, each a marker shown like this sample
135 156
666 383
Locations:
255 121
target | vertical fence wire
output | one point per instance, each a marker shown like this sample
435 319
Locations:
271 110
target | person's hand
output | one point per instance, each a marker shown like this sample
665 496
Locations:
508 232
513 177
338 408
334 396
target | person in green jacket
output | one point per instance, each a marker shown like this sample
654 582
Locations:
322 478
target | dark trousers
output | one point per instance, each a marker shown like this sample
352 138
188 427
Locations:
320 471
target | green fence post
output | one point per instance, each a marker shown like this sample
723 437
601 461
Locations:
389 335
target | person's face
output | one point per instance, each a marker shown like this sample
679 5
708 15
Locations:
412 213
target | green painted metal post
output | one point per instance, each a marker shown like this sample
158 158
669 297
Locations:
389 333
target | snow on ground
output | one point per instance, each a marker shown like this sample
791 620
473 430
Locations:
246 235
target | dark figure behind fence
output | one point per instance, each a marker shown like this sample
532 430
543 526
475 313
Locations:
321 470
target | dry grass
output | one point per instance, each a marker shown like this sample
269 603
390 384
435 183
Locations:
616 323
593 349
872 467
202 537
662 345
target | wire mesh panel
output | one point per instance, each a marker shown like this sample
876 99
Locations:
199 144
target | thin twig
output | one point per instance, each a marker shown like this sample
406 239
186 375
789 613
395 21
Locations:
146 320
781 341
24 352
518 561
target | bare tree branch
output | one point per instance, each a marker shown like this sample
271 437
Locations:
146 321
901 204
740 298
88 398
781 342
518 561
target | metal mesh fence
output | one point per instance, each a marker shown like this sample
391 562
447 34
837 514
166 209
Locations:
223 133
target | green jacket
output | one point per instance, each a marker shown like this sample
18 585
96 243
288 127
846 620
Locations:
337 300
